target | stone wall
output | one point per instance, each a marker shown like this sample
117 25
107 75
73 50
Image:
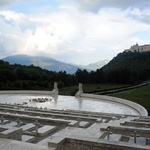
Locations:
140 109
99 145
25 92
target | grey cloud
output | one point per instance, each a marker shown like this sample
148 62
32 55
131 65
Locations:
95 5
143 18
4 3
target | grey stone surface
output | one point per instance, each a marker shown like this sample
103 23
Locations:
27 138
88 102
67 129
84 124
28 126
46 129
6 144
11 124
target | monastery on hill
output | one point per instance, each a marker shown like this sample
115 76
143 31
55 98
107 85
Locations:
138 48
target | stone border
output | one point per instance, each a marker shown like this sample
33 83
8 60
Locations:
140 109
53 93
88 144
25 92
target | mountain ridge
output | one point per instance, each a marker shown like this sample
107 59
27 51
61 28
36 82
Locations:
97 65
50 63
41 61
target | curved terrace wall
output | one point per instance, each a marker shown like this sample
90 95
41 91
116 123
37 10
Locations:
142 111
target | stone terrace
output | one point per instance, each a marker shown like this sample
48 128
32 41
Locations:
23 127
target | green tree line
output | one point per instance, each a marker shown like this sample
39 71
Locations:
126 68
30 77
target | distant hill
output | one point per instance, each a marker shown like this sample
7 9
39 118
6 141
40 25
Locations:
52 64
134 61
43 62
97 65
128 67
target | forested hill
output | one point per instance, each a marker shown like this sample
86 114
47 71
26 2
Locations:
132 60
31 77
133 65
43 62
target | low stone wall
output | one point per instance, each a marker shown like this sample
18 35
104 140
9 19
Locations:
140 109
88 144
26 92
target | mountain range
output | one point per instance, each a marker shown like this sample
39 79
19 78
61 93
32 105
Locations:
95 66
51 64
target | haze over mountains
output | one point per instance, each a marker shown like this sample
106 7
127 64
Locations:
97 65
51 64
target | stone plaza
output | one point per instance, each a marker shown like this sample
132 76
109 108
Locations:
34 127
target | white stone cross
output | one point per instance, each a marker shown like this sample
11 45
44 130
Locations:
18 122
108 133
36 126
2 120
135 136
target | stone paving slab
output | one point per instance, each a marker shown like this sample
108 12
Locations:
28 126
139 140
46 129
114 137
27 138
84 124
6 144
6 122
43 142
11 124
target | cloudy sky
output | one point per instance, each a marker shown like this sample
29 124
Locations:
73 31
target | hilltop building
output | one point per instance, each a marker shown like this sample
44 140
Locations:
138 48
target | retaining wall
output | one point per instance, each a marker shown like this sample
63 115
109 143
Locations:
26 92
140 109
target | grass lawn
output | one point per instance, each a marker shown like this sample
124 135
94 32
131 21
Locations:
140 95
89 88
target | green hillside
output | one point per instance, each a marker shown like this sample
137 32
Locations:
128 67
132 60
